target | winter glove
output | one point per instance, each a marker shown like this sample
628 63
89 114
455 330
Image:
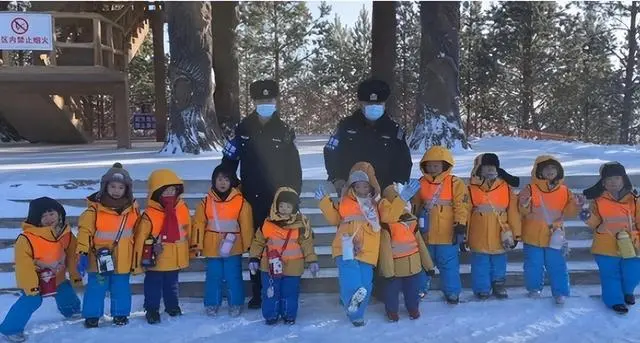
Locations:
585 215
431 272
254 265
459 233
515 244
314 268
338 184
464 247
83 264
320 192
409 190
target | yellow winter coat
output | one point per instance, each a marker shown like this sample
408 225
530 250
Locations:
367 237
174 256
300 243
391 208
451 206
28 247
604 242
558 202
491 206
235 207
89 238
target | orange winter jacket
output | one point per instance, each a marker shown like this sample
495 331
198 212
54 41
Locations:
610 216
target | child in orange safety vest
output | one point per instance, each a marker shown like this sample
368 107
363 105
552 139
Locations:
279 251
44 253
614 216
223 230
544 204
357 242
163 243
105 247
494 225
403 253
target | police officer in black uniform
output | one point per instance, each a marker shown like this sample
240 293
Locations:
370 135
270 160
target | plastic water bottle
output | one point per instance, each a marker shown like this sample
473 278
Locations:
227 244
347 247
423 221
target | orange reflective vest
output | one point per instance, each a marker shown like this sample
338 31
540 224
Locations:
108 225
495 200
615 216
350 210
403 239
548 206
156 217
222 216
433 194
276 238
49 254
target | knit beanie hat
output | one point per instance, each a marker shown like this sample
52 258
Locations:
116 173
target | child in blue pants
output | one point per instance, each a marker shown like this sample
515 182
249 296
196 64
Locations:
106 227
356 245
223 230
286 235
494 225
614 216
544 204
44 252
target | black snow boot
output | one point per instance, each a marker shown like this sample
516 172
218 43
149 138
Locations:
499 290
255 303
174 312
483 296
630 299
453 299
91 323
271 322
289 321
153 317
620 309
120 320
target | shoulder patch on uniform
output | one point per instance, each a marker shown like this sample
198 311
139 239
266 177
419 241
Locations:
230 149
333 143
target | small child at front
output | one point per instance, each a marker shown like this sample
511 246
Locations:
286 235
44 252
357 242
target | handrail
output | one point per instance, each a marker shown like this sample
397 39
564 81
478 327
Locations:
84 15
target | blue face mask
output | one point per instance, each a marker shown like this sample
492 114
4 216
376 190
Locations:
373 112
266 110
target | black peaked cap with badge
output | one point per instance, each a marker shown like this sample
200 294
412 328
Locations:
373 90
264 89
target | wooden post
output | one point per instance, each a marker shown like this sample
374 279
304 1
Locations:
97 42
111 55
121 109
160 73
52 54
5 58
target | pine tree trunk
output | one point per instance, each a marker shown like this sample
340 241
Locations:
439 90
225 61
630 66
193 127
526 69
383 50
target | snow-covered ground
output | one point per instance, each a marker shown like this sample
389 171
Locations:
320 319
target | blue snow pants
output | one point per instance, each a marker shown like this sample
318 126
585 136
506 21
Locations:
536 261
97 287
66 299
618 276
353 274
221 271
410 287
284 303
486 269
161 285
446 259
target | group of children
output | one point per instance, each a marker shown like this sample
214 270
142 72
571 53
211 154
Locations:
405 231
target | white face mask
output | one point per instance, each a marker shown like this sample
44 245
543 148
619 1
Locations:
266 110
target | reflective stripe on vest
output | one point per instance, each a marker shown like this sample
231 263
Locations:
615 216
49 254
354 218
108 225
223 215
495 200
403 239
157 218
276 237
554 202
429 191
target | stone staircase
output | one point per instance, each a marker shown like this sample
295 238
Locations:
583 269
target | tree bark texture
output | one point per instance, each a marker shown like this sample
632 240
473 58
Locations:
630 66
159 73
439 91
225 19
193 127
383 50
526 69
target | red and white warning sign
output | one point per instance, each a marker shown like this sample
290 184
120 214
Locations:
26 31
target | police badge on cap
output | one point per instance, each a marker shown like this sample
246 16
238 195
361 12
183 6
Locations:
373 90
263 89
